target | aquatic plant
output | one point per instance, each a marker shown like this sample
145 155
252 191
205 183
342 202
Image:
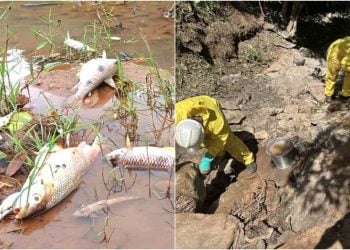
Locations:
166 88
47 37
8 90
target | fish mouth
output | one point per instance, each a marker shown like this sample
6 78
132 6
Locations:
27 211
33 209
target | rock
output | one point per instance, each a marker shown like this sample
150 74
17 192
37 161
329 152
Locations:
249 129
257 230
268 26
305 106
310 238
236 196
203 231
261 135
234 116
231 104
190 189
299 61
285 236
284 116
306 52
291 109
287 125
317 118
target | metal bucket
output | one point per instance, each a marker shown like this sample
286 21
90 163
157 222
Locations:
282 152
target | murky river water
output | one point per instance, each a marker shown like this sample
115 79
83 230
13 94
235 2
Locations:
145 223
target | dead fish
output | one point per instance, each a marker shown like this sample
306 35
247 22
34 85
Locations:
144 157
76 44
59 174
91 209
91 75
5 119
17 67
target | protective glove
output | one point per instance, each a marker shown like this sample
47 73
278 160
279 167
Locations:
205 164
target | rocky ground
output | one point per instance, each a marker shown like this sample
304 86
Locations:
268 87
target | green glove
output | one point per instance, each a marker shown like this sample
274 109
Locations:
205 164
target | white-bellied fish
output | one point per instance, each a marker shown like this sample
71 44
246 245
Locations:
76 44
17 69
144 157
91 75
57 173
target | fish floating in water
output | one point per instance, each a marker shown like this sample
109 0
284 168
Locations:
56 174
77 44
144 157
17 69
91 75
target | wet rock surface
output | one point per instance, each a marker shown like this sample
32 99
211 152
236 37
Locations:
281 95
205 230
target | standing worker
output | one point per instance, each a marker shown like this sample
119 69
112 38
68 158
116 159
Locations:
200 120
338 57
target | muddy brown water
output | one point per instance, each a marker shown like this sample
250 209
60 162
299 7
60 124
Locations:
145 223
74 16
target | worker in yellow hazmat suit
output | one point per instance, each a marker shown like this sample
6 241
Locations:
338 57
201 122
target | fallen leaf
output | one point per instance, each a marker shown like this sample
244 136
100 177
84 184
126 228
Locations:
18 120
15 164
89 210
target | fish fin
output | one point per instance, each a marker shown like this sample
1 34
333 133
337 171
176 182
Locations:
104 55
127 141
73 102
99 140
170 149
110 82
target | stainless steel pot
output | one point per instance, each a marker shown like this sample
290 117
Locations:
281 151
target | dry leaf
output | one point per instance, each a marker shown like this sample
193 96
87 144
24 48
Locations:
15 164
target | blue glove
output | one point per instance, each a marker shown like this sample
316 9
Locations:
204 165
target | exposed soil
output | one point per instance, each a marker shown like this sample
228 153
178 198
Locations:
256 78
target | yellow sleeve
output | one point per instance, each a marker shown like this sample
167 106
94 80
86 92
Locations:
218 132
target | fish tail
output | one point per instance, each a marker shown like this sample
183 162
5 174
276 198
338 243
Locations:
73 102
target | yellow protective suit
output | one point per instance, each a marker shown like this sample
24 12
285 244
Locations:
217 133
338 57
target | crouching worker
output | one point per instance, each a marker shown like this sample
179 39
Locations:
201 122
338 57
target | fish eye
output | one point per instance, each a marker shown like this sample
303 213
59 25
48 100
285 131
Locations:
36 197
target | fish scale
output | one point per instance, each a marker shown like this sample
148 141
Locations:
65 179
144 158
